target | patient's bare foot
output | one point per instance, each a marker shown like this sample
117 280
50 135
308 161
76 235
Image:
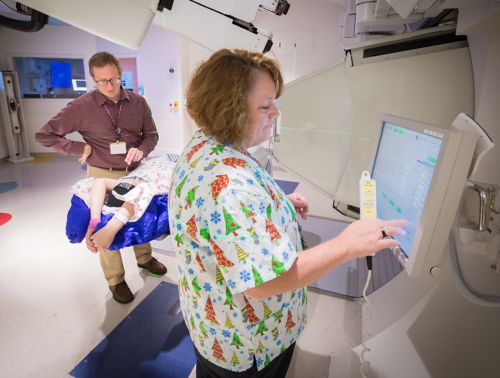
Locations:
105 236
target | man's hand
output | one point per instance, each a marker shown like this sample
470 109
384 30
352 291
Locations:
87 151
133 155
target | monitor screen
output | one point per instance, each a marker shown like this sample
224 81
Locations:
403 170
420 172
79 85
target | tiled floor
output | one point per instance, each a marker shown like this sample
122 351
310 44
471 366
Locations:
55 305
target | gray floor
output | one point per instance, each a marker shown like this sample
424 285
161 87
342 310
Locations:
55 303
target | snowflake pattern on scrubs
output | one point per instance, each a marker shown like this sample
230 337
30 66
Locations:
233 229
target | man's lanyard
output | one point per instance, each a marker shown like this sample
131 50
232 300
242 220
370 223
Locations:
115 123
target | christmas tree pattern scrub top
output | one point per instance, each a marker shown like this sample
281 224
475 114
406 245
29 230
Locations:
233 229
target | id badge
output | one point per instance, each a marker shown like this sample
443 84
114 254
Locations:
118 148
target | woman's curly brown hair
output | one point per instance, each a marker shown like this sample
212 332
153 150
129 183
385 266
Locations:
217 95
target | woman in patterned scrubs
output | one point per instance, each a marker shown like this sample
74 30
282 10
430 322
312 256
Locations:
241 269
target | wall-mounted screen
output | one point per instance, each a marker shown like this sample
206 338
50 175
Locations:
49 77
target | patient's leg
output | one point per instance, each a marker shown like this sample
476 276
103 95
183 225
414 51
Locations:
105 236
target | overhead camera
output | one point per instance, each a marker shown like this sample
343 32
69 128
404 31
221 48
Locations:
282 7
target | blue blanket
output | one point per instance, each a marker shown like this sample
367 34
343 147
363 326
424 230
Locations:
152 224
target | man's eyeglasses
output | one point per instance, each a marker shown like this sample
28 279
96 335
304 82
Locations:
114 81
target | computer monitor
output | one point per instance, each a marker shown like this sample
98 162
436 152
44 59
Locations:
420 172
79 85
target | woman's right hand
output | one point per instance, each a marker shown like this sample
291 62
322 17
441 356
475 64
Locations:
359 239
368 236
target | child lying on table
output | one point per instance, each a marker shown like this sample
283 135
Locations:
117 213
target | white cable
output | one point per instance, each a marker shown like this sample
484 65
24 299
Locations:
469 293
364 363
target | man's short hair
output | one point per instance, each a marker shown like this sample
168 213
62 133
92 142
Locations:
102 59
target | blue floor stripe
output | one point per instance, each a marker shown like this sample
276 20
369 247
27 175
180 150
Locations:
152 341
7 186
287 186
